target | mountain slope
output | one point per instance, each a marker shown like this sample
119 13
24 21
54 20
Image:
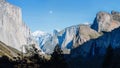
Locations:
8 51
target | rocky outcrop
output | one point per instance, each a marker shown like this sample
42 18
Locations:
92 53
106 22
85 33
70 38
109 36
13 31
115 15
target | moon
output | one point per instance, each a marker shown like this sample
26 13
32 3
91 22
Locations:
51 12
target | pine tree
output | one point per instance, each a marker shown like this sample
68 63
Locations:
57 59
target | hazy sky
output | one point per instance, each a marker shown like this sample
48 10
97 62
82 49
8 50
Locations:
47 15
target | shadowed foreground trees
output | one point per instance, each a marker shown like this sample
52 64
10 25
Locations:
5 62
108 57
112 58
57 59
35 61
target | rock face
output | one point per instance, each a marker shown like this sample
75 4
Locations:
110 35
106 22
92 52
13 31
70 38
115 15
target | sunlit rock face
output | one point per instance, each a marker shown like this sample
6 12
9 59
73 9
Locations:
108 30
107 25
70 38
13 31
106 22
94 50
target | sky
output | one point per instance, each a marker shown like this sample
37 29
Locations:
47 15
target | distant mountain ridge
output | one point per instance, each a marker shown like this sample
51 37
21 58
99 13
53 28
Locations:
64 38
74 36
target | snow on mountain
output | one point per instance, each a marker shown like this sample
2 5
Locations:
41 37
38 33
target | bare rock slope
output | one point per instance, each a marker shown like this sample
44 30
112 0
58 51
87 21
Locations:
106 22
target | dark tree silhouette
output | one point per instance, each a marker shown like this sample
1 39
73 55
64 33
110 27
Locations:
35 61
57 59
5 62
108 57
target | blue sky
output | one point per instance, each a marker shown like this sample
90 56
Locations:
47 15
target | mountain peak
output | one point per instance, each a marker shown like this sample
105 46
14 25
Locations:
38 33
114 12
105 21
115 15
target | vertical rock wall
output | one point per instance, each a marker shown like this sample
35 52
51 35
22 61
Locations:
13 31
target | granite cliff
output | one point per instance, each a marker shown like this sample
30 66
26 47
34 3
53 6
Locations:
13 31
93 52
106 22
